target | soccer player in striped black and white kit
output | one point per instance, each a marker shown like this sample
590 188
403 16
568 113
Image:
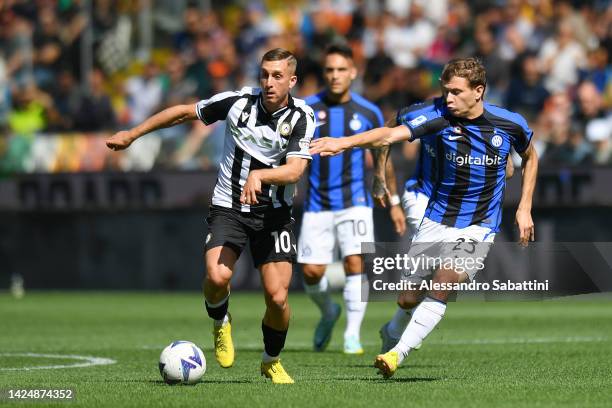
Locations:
266 151
472 139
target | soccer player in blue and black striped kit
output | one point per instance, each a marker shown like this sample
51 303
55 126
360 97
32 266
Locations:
472 140
338 208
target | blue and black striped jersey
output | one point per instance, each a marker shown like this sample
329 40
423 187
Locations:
338 182
471 157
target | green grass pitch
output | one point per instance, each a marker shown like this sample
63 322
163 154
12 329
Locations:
483 354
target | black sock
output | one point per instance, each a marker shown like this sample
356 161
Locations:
219 312
274 340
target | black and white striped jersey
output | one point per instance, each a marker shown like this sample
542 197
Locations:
256 139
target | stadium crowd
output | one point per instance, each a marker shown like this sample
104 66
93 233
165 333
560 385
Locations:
547 59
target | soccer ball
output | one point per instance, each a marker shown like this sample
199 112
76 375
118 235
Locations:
182 362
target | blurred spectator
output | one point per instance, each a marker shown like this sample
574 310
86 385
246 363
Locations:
513 31
561 57
526 94
198 70
599 132
565 11
598 70
48 48
497 68
378 64
178 88
144 94
184 41
94 111
16 45
28 115
407 40
589 105
67 98
5 93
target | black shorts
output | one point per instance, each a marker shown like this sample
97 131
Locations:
269 234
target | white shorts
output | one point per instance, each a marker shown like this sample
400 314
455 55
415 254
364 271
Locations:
323 231
414 204
466 247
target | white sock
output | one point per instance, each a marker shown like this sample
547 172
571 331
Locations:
425 318
398 323
319 293
266 358
355 307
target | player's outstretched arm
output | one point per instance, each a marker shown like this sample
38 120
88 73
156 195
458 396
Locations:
288 173
166 118
523 213
375 138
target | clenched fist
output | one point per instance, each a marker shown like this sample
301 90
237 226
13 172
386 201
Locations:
120 140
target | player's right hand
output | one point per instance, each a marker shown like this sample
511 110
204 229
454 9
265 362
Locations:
399 219
380 192
120 140
327 146
525 227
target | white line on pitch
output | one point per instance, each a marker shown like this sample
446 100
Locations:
86 361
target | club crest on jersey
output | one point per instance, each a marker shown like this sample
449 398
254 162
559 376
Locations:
497 141
457 130
355 123
321 115
285 129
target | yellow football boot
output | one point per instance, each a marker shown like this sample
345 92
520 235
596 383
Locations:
387 363
224 346
276 373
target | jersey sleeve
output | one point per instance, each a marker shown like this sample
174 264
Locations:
301 134
216 108
421 122
522 135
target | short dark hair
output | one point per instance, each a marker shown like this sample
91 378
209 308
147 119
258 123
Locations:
281 54
338 48
468 68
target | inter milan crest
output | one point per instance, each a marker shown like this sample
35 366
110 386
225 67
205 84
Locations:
497 140
355 123
285 129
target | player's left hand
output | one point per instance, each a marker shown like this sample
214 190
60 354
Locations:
251 188
525 226
327 146
399 219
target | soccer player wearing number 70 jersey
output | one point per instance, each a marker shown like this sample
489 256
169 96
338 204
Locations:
472 140
338 208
